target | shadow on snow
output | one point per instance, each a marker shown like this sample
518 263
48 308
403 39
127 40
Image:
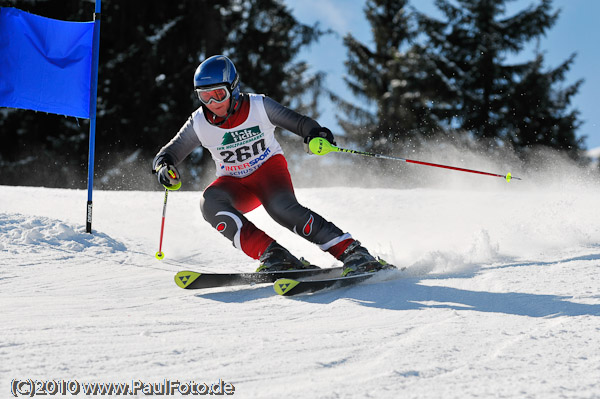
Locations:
410 294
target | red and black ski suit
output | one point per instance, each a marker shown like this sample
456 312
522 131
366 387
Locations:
252 171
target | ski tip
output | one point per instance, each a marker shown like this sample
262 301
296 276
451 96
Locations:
185 278
284 285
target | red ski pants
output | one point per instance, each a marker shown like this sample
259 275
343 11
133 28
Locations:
227 199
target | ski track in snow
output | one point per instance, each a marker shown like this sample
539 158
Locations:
501 297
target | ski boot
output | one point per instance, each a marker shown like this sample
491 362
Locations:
277 258
358 260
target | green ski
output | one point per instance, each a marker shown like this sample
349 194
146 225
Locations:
290 286
195 280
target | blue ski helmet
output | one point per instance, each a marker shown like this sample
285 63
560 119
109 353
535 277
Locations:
216 71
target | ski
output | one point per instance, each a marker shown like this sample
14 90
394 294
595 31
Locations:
194 280
288 286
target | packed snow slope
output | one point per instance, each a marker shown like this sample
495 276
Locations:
502 297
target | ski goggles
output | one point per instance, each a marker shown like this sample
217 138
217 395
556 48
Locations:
216 94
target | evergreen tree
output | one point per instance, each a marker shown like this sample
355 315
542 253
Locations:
494 98
148 54
540 114
389 81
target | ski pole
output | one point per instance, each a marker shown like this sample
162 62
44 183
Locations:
320 146
160 255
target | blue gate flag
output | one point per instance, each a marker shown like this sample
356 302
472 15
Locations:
45 64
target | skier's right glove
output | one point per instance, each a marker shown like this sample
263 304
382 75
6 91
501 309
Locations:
168 176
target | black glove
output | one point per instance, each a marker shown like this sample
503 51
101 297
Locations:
168 176
318 132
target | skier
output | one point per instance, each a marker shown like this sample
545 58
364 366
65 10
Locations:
238 130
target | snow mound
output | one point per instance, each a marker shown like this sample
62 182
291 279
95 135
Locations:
17 231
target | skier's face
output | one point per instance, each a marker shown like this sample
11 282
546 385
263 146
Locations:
219 109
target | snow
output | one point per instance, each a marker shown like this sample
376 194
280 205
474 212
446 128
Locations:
594 153
502 297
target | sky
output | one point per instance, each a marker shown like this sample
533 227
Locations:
576 31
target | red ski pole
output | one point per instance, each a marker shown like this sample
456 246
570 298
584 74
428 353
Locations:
320 146
160 255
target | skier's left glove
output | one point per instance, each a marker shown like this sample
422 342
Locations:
168 176
318 132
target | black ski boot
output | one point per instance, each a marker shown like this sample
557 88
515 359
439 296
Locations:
277 258
358 260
